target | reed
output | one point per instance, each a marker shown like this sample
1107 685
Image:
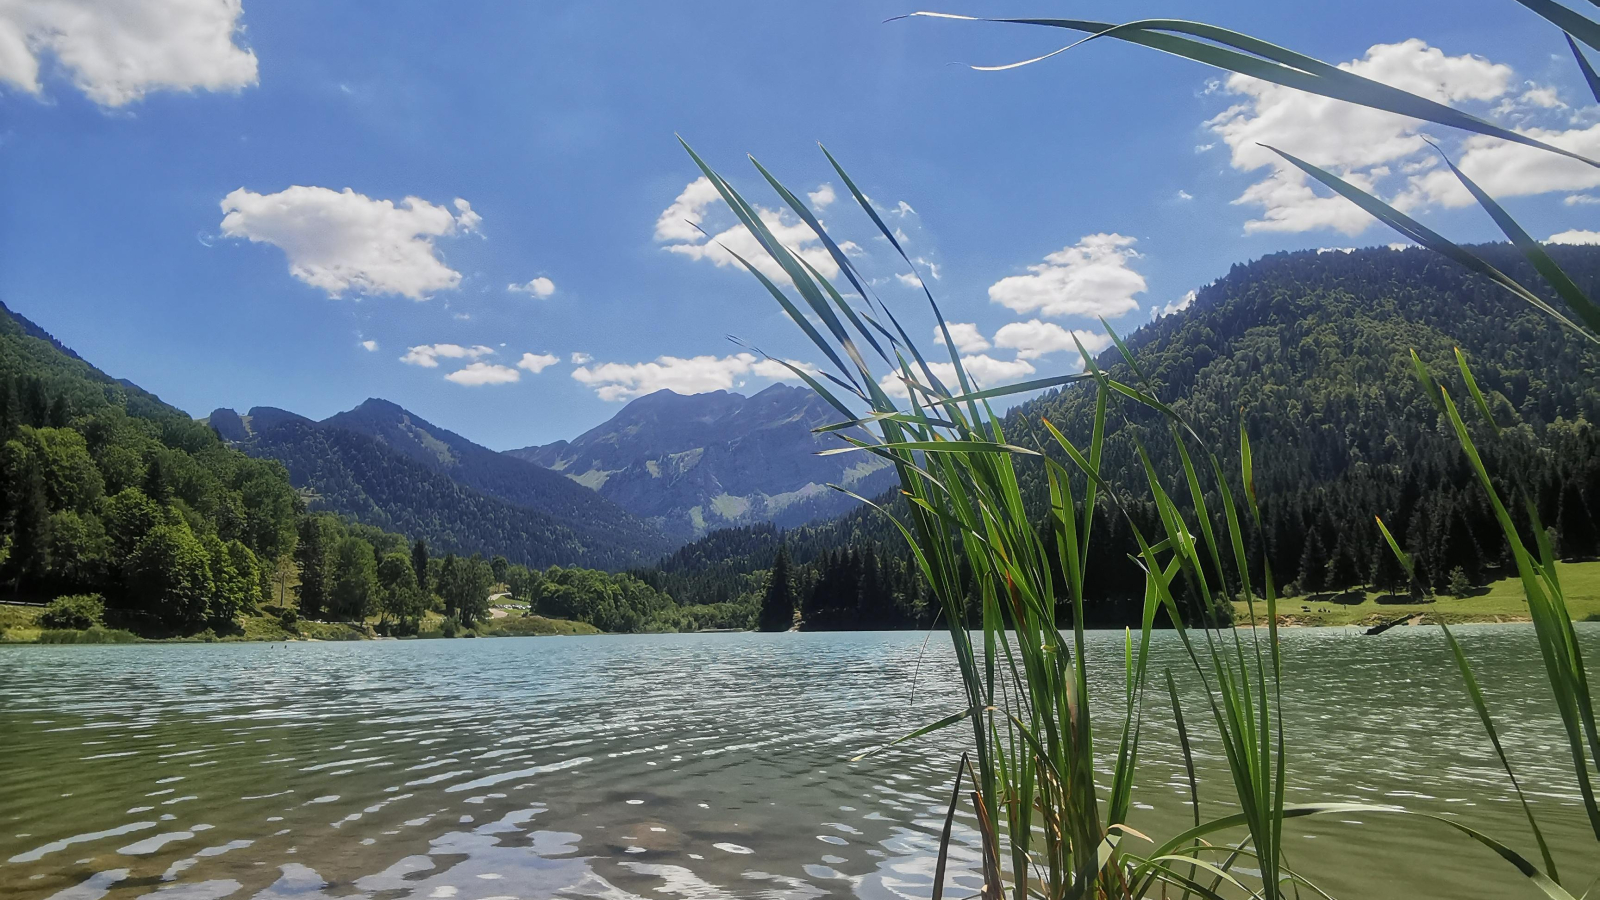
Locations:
1046 829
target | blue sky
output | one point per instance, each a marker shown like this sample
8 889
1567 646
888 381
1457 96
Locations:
173 179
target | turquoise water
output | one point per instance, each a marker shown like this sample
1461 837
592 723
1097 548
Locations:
704 766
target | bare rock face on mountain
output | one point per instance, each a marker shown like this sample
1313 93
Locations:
696 463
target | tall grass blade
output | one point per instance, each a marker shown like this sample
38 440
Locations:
1589 76
1227 49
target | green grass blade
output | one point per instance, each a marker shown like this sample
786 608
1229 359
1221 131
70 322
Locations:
1565 287
1565 19
1425 236
1475 693
1587 69
1259 59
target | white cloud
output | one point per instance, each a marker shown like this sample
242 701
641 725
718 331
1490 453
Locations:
428 355
903 209
985 370
1511 170
480 373
771 368
581 359
1357 142
1033 339
678 229
695 375
910 279
340 241
1336 250
116 52
537 287
1581 200
1090 278
822 196
467 220
966 335
1185 195
1178 305
369 346
537 363
1574 236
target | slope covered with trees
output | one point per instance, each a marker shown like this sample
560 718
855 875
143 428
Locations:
363 477
1312 350
110 491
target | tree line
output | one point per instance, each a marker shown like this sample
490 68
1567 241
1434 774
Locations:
1312 352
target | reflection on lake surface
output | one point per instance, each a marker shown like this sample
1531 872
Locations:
687 766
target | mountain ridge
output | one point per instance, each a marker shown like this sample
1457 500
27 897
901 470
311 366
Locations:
383 465
694 462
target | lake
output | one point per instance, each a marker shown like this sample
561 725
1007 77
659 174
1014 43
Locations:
690 766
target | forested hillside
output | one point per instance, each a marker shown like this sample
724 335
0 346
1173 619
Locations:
108 490
382 466
1312 349
595 521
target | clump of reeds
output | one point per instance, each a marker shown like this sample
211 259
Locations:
1046 829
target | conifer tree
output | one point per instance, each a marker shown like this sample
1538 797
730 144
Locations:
778 603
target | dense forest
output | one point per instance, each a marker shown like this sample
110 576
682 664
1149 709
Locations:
109 492
126 512
1312 349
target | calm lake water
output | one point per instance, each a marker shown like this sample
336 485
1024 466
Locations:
692 766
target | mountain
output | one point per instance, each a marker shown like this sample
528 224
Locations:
105 489
692 464
1312 349
386 467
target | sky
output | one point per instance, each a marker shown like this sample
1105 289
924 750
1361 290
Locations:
482 211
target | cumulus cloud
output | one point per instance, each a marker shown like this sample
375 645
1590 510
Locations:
480 373
369 346
1033 339
537 287
771 368
694 375
341 241
537 362
1512 170
1178 305
966 335
118 52
1359 143
983 369
1091 278
678 229
581 359
1575 236
428 355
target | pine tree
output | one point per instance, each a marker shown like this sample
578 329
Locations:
315 556
419 564
1387 574
1342 571
779 601
1313 564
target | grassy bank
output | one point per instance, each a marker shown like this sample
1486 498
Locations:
20 625
1501 601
